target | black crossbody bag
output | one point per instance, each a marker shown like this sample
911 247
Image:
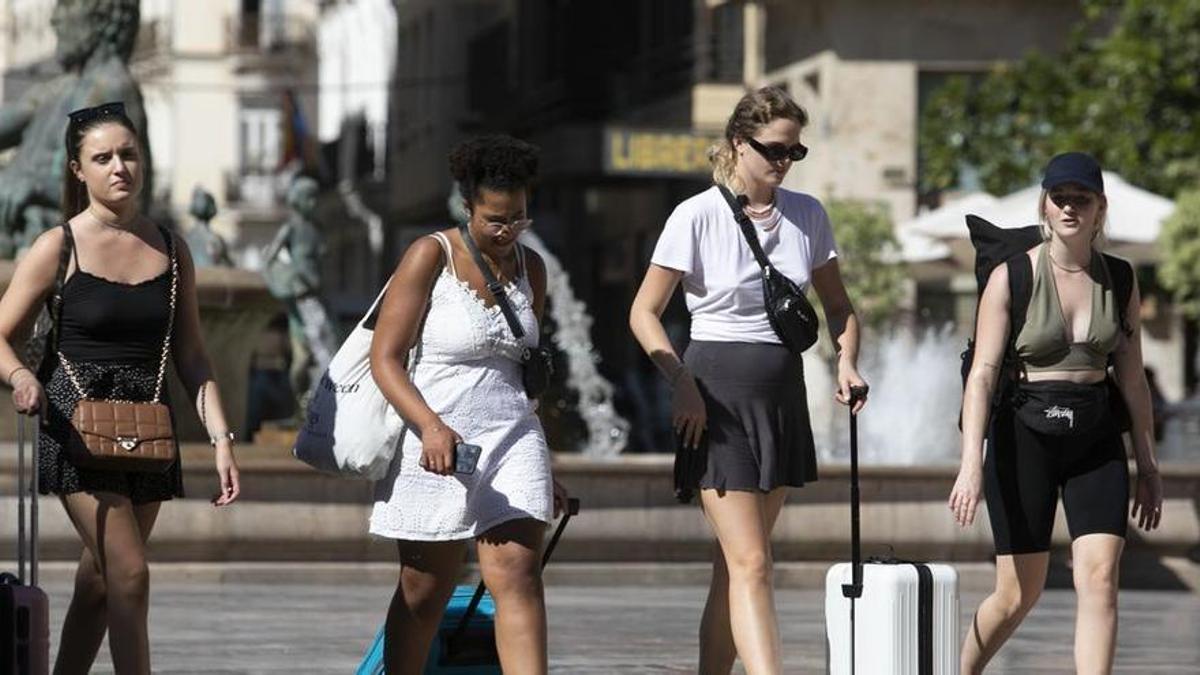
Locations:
537 362
792 317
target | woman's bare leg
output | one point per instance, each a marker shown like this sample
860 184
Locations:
1019 582
428 571
115 532
717 651
510 561
739 521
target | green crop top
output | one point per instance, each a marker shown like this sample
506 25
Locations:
1045 341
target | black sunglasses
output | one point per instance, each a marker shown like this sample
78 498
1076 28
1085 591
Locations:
777 152
1076 201
113 109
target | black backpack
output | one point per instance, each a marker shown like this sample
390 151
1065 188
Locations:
997 245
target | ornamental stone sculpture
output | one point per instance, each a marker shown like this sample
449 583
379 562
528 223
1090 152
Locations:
95 41
208 248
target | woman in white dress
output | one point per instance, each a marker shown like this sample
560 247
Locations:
446 358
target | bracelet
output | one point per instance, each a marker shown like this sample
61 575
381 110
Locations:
227 436
15 371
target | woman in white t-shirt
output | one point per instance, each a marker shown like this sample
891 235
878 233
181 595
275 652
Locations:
739 399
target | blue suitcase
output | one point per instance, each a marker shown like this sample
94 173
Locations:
466 640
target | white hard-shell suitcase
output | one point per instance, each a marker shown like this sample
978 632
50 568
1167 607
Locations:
906 621
888 616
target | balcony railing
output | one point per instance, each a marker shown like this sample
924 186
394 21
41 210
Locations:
269 32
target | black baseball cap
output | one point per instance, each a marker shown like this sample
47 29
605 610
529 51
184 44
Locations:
1073 167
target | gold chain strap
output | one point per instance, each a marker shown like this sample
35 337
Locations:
166 350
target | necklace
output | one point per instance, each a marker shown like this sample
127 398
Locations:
107 224
1069 270
762 213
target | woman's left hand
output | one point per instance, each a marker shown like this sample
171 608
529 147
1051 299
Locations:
1147 500
560 499
848 377
227 471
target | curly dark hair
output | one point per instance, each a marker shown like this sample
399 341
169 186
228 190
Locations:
493 162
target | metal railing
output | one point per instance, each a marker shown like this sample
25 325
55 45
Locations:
268 32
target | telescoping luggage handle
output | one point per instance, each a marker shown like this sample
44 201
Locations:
572 509
27 545
854 589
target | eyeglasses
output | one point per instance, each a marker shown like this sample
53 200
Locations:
83 115
516 227
1076 201
777 152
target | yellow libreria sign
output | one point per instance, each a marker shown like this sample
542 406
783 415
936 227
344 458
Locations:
643 151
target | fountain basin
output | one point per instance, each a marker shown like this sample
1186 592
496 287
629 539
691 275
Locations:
289 512
235 306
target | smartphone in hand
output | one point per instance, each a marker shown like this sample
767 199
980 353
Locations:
466 456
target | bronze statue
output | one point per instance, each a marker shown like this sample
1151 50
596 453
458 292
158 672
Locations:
208 248
292 269
95 41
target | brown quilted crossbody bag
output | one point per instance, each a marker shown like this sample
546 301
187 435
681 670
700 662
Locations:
126 435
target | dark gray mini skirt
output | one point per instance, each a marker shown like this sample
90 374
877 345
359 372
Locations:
759 434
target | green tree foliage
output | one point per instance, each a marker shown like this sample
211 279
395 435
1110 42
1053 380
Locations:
1126 89
866 258
1180 270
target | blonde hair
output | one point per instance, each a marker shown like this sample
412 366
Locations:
755 110
1099 237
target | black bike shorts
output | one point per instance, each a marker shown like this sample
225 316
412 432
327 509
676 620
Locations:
1024 472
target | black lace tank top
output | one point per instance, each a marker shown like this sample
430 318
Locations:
112 322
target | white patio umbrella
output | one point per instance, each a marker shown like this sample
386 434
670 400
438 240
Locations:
1135 216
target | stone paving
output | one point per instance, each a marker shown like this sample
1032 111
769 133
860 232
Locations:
249 628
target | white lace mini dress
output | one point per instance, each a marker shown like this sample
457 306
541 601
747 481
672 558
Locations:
467 367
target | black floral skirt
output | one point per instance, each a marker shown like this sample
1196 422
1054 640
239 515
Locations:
56 473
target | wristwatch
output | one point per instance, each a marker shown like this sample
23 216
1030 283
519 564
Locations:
228 435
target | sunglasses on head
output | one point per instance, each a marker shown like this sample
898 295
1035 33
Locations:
1075 200
777 152
112 109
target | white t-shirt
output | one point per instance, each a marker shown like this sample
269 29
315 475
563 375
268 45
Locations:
721 280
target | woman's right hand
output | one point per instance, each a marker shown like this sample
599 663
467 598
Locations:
28 396
688 414
966 494
437 449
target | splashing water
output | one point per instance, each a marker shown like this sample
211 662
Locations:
608 432
912 415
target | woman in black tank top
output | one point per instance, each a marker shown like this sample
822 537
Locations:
118 272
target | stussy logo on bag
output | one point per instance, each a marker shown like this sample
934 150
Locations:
1061 412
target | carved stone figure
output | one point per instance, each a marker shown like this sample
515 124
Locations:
95 40
292 269
208 248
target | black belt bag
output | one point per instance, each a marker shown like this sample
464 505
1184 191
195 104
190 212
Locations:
791 315
1062 408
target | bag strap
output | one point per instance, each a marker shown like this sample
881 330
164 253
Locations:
166 348
493 284
54 306
1020 290
1121 273
737 206
447 250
